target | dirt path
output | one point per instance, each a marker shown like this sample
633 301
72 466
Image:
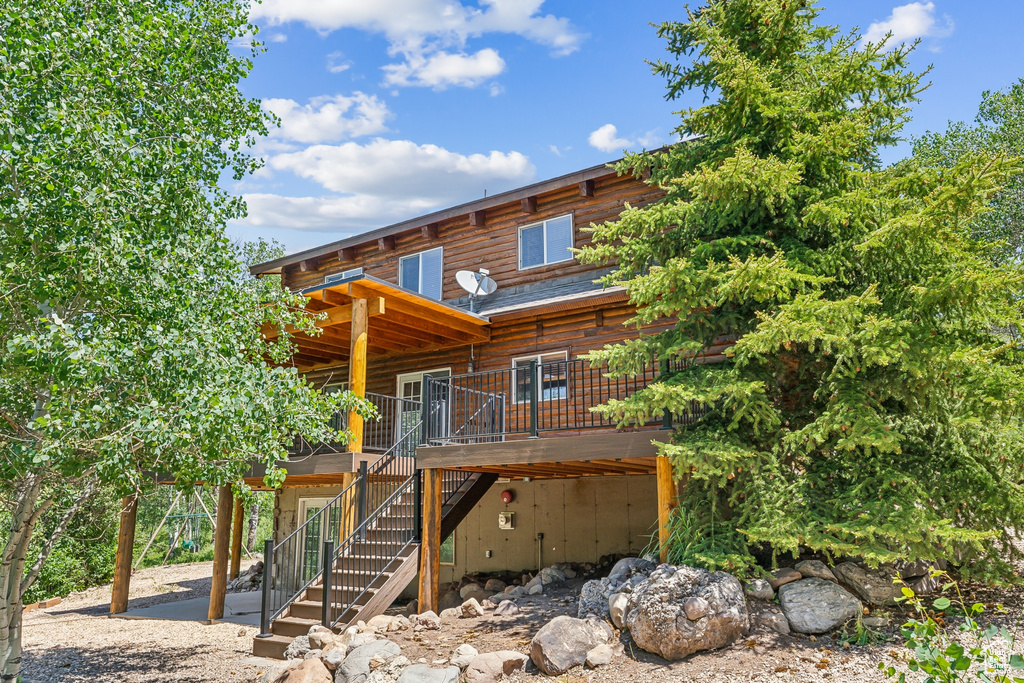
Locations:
77 640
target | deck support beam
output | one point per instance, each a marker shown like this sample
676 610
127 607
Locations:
430 546
221 546
357 370
123 560
668 495
236 539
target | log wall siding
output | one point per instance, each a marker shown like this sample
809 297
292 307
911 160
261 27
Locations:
494 245
575 332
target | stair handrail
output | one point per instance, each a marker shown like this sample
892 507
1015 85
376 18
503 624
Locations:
289 556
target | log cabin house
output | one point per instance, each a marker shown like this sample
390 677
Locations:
486 456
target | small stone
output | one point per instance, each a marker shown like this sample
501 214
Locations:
494 585
618 605
760 589
333 657
421 673
470 588
817 606
564 642
427 621
506 608
569 573
451 613
780 577
492 666
603 654
463 655
309 671
313 654
297 648
551 575
537 589
874 622
809 568
471 608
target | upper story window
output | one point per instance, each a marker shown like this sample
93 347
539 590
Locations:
343 275
422 272
550 241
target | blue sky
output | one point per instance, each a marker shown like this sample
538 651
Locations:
394 108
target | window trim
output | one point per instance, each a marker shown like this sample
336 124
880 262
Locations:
419 285
537 357
544 223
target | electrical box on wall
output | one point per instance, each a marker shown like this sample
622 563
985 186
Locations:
506 520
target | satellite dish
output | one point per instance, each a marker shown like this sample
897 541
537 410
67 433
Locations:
477 284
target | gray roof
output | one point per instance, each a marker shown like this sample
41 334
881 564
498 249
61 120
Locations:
539 293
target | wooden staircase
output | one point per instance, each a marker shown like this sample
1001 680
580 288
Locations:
359 591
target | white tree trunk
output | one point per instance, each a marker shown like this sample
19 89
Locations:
254 523
12 574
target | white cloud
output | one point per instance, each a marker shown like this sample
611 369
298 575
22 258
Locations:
335 64
351 214
606 139
404 169
329 118
424 32
442 69
909 22
380 182
277 38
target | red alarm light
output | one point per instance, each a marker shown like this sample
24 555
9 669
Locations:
507 496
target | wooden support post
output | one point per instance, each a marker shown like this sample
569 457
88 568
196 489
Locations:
221 545
236 540
123 560
357 370
430 547
668 495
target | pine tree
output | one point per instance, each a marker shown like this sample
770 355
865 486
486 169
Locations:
869 402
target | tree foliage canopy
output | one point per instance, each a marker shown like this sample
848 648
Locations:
998 129
130 342
868 403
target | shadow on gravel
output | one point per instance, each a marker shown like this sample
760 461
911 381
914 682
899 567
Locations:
112 664
183 590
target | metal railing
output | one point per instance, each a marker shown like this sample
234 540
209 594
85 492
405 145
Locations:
296 562
394 415
527 400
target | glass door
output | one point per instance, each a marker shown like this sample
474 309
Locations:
410 387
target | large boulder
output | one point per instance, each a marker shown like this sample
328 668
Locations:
450 599
659 620
492 666
309 671
564 642
356 666
817 606
872 585
421 673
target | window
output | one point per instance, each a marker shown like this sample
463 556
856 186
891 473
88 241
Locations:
448 550
343 275
553 370
544 243
422 272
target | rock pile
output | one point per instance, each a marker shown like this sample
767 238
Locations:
249 580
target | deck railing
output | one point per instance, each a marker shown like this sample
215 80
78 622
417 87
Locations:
527 400
394 416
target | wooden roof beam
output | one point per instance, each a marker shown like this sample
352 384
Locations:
529 204
430 231
587 188
347 254
386 243
477 218
309 264
335 316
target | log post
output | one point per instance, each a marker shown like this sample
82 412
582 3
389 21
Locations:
221 545
123 560
668 495
236 540
430 548
357 370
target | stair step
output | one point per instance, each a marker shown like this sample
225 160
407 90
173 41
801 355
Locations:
272 647
292 626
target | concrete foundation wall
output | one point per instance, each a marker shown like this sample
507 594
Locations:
581 519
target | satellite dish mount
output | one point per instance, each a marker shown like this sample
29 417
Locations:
478 284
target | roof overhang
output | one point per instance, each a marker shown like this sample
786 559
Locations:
399 321
583 176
